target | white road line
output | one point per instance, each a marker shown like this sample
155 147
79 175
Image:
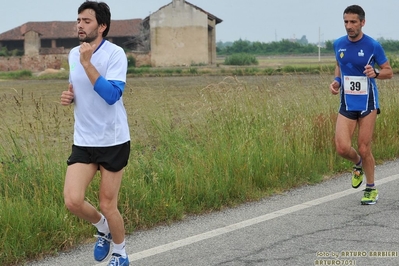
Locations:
223 230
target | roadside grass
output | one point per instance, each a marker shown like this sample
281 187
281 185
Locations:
199 144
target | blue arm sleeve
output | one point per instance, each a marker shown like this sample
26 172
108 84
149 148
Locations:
110 90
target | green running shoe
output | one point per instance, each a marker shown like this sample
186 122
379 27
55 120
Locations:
357 176
370 196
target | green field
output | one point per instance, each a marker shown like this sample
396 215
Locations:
199 143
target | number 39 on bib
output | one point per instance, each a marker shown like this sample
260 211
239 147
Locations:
355 85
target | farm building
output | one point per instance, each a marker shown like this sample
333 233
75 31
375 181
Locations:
177 34
57 37
182 34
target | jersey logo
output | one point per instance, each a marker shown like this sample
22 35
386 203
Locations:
72 66
361 53
341 55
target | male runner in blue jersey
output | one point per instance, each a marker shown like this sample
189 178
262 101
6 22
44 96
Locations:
101 133
357 55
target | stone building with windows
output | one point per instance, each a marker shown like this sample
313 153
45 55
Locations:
58 37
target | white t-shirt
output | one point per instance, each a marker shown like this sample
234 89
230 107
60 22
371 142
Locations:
98 124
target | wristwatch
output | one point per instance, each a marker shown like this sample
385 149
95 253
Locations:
377 72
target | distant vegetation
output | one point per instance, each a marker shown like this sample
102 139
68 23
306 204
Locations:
283 47
19 74
288 47
241 59
5 52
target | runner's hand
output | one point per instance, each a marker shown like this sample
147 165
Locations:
67 96
334 87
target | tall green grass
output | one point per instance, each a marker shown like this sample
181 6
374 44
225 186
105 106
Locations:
194 149
20 74
241 59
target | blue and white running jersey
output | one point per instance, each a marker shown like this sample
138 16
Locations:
358 93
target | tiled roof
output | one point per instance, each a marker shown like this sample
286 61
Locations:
67 29
217 20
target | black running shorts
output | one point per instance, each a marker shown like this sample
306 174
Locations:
112 158
355 115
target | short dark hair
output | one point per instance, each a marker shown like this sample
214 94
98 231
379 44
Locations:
355 9
103 13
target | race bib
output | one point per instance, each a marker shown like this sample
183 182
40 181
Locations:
355 85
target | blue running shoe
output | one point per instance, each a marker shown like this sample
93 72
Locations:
118 260
102 246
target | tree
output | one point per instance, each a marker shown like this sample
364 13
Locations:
303 40
329 46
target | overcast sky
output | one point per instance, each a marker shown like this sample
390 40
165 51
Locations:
252 20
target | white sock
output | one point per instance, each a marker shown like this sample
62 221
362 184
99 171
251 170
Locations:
120 249
102 225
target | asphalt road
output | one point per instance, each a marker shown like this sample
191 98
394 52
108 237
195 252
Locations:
324 224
